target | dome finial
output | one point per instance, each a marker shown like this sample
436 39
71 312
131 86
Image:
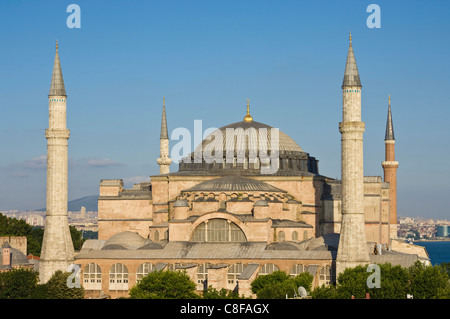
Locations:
56 44
350 36
248 117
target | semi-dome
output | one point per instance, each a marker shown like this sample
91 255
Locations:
233 184
244 147
126 239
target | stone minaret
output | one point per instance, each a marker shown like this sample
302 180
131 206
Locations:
390 172
352 249
57 248
164 160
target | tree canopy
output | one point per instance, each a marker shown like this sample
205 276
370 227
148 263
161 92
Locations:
164 284
396 282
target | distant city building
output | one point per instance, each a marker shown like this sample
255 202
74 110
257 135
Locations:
442 231
35 220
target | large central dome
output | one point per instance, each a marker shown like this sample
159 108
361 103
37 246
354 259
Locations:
244 148
255 135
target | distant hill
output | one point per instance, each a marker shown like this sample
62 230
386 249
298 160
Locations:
90 202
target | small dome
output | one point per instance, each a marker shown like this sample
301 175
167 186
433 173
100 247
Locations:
260 203
126 238
17 257
181 203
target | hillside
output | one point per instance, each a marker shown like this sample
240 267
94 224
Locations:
90 202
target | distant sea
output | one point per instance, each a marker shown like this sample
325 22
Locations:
439 251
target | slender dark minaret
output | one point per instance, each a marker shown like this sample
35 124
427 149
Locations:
352 249
390 166
57 251
164 160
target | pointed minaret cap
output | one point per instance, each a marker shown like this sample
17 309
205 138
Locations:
389 125
57 86
351 75
164 132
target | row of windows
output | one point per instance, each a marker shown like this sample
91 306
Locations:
281 236
118 274
352 91
57 100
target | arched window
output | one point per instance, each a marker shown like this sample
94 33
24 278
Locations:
298 269
174 267
294 235
326 275
281 236
233 272
92 277
143 271
256 163
202 274
305 235
118 277
267 269
218 230
156 236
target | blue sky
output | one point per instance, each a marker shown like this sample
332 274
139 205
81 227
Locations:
207 58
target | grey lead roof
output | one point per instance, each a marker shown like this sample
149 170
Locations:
389 126
234 183
351 75
57 86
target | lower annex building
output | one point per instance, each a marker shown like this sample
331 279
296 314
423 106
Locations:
225 221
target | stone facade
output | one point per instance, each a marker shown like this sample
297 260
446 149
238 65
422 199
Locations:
227 222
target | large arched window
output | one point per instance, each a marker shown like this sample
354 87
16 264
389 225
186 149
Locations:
326 275
298 269
143 271
202 273
233 272
218 230
92 277
118 277
267 269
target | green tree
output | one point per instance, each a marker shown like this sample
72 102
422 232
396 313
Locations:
213 293
428 282
77 238
278 290
18 283
304 280
261 281
423 282
164 284
279 284
394 283
57 287
352 282
446 267
325 292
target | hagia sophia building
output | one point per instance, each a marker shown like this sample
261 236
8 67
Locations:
255 205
